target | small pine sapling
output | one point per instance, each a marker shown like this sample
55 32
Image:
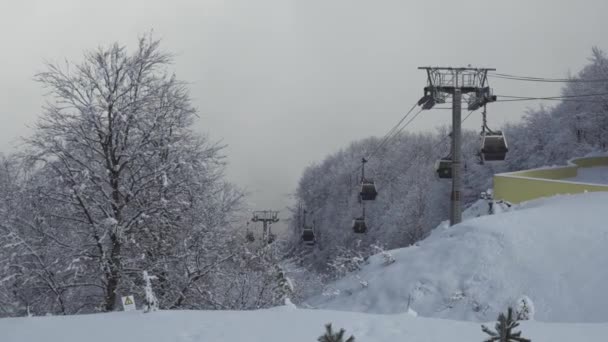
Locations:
524 309
504 329
330 336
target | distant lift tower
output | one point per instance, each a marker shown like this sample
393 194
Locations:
267 217
443 82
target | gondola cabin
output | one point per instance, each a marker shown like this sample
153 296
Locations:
444 168
308 236
494 146
359 226
368 190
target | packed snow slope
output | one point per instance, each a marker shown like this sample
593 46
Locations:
553 250
274 325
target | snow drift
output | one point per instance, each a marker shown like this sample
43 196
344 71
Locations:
552 250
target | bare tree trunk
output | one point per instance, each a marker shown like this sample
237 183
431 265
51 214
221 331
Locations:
115 271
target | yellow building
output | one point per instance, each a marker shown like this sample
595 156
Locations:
580 175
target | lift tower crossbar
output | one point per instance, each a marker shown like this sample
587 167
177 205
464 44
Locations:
443 82
267 217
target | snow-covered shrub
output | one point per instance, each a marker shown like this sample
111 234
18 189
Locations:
284 286
524 307
150 302
386 255
347 261
364 283
330 292
288 303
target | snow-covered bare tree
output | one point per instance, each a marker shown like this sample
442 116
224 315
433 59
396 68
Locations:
114 183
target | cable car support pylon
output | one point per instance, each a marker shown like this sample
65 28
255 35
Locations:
441 83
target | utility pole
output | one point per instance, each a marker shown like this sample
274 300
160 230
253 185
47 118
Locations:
267 217
443 82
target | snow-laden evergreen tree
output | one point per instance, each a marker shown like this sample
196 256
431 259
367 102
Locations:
331 336
524 308
504 329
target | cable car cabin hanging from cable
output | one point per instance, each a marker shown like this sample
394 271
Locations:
444 168
493 143
359 225
308 232
368 190
308 236
493 146
368 187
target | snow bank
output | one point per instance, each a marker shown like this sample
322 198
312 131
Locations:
593 175
552 250
274 325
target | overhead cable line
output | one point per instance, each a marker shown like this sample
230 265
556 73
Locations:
391 132
572 98
412 119
545 79
395 130
543 99
553 97
419 154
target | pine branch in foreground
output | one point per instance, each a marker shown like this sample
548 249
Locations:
330 336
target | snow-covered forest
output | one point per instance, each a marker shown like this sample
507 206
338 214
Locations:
413 200
115 193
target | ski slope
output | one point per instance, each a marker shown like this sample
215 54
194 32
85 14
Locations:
275 325
554 250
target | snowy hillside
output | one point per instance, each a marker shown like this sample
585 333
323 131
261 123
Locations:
551 250
274 325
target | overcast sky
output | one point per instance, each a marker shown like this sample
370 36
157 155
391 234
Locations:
285 82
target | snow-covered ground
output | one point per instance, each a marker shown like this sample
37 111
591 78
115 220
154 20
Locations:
595 175
274 325
552 250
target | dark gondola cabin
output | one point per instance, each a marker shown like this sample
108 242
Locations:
250 236
359 226
494 146
308 236
444 168
368 190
